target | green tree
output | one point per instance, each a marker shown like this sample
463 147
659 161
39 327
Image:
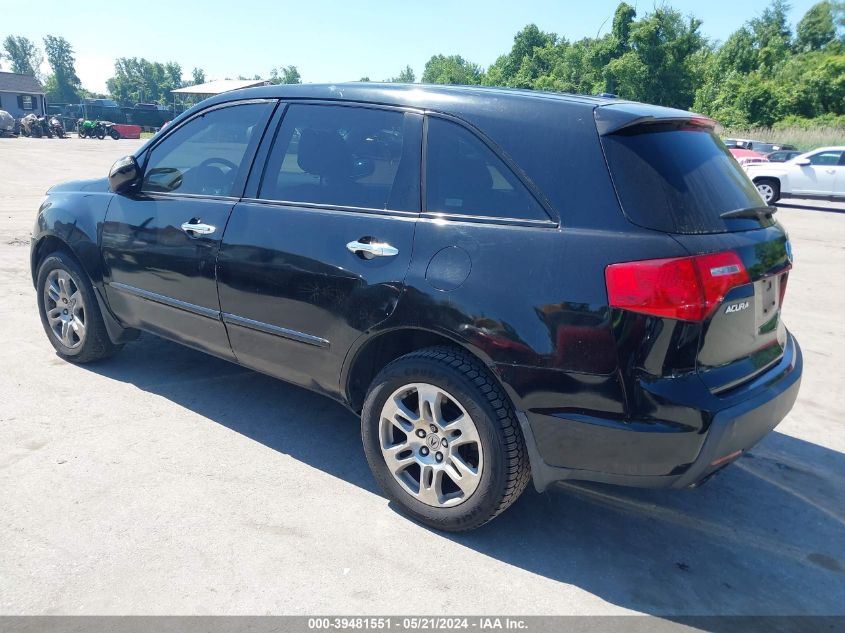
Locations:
285 75
816 29
453 69
63 85
23 54
198 76
142 81
660 64
407 76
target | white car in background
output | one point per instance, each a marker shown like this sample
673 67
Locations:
816 174
7 124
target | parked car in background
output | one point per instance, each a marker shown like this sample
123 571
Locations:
767 148
758 146
747 156
816 174
783 155
7 124
412 252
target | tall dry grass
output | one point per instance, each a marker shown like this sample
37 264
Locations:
804 139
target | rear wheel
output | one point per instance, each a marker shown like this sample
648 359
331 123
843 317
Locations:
442 439
769 189
69 311
114 134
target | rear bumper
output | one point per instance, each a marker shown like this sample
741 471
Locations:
657 455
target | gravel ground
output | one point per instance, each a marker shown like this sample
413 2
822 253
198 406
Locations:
164 481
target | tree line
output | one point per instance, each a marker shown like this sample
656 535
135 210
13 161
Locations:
763 73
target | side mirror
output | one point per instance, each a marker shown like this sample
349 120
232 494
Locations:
803 162
124 174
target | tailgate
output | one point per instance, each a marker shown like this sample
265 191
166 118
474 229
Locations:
745 335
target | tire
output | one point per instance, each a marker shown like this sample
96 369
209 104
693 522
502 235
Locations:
100 133
35 131
93 343
114 134
81 133
769 189
488 456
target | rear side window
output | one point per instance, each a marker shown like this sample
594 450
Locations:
465 177
679 179
345 156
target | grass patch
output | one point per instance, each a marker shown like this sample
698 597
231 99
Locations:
803 138
146 135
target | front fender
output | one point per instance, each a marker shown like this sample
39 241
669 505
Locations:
74 219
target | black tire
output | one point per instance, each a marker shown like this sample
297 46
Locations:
96 344
100 133
766 185
114 134
35 131
505 472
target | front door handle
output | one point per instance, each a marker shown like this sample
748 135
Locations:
368 250
198 228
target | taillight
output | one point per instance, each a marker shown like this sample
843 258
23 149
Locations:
686 288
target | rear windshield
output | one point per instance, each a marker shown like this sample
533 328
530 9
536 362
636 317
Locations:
679 178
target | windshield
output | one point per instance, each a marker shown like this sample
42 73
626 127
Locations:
679 178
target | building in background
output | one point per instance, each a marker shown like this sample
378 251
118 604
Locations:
21 95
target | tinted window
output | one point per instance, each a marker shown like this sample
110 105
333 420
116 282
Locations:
209 154
826 158
678 179
344 156
465 177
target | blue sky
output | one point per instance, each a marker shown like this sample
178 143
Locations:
339 40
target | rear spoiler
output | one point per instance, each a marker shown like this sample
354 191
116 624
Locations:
618 116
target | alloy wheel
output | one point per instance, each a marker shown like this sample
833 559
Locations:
65 308
766 191
431 445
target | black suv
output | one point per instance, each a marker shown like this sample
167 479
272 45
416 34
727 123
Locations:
504 284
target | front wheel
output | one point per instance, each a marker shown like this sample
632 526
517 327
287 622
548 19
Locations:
442 439
69 311
768 189
101 133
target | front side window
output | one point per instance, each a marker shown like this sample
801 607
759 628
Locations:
209 154
344 156
826 158
465 177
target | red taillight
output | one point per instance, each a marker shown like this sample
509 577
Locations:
686 288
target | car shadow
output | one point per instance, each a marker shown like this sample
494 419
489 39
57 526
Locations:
763 538
808 205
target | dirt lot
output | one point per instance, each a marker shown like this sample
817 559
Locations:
165 481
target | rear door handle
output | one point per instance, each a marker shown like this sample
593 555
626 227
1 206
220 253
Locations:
198 228
368 250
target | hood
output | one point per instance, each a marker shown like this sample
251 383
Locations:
94 185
